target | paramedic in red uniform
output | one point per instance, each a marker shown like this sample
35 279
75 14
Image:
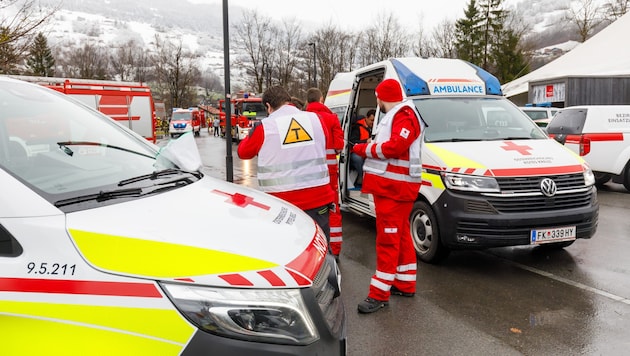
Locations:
291 149
392 174
315 103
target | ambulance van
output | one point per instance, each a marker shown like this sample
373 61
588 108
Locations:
601 135
491 177
95 260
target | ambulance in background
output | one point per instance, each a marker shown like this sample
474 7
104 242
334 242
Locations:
600 134
186 120
128 103
491 176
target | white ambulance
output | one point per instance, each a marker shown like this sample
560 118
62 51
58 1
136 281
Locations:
491 176
95 259
600 134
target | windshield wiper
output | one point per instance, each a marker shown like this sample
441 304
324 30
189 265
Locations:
455 139
63 145
158 174
103 195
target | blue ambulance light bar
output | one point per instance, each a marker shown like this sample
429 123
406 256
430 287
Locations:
414 85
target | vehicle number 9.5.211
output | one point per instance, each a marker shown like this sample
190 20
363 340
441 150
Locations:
51 268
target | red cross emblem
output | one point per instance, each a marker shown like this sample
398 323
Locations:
241 200
511 146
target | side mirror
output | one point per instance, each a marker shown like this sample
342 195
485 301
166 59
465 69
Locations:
562 138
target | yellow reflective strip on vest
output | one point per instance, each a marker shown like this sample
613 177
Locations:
66 329
451 159
159 259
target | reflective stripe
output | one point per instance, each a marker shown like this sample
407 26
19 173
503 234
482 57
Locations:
390 230
380 285
291 180
335 229
331 162
331 151
379 151
336 239
406 277
405 268
385 276
290 165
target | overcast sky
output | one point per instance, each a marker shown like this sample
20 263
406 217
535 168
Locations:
357 14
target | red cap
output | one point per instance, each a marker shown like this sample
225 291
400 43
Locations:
389 90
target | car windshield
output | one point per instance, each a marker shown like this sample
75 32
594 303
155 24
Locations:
61 148
186 115
473 119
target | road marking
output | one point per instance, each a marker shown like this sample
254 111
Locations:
597 291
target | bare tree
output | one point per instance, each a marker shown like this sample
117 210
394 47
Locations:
444 39
124 60
18 32
176 72
614 9
384 40
287 55
336 52
586 16
87 62
255 34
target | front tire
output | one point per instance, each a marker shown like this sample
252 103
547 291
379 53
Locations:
425 234
626 177
601 178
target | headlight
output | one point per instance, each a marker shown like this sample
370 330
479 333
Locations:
264 315
589 177
471 183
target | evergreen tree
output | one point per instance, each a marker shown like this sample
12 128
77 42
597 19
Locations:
468 35
508 57
41 61
9 54
493 19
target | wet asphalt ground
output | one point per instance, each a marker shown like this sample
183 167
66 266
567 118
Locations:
504 301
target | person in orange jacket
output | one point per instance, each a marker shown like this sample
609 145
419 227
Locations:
315 103
392 174
291 149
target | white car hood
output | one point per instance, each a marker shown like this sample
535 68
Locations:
209 232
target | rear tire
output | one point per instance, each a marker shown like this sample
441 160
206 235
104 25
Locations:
425 234
626 177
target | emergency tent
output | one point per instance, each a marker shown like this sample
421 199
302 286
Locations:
605 54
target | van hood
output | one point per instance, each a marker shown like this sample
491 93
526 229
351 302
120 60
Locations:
211 232
503 158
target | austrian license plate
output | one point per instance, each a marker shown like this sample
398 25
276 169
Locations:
541 236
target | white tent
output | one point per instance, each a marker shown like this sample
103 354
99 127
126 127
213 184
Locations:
605 54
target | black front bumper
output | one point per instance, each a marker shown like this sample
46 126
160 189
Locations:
472 221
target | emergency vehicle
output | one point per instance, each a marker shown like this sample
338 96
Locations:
129 103
245 111
601 135
491 177
186 120
95 259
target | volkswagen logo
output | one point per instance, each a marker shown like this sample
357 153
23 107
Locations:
548 187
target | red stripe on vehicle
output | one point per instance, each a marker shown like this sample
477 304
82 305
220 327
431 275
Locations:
272 278
236 280
61 286
511 172
336 92
301 281
611 136
310 260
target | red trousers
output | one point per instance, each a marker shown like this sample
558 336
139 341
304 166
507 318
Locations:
396 261
336 236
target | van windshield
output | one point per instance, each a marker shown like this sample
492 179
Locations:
475 119
61 148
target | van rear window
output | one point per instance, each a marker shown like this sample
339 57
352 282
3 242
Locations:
568 122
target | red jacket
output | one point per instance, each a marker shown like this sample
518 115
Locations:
331 121
397 147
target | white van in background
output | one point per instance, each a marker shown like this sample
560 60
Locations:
601 135
491 177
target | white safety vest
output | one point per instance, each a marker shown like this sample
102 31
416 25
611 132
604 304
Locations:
378 165
293 155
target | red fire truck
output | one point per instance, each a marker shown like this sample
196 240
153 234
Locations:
129 103
245 111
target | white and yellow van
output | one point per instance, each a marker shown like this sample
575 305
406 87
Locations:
491 176
106 249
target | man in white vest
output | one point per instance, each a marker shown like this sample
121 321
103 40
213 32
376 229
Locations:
291 149
392 174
